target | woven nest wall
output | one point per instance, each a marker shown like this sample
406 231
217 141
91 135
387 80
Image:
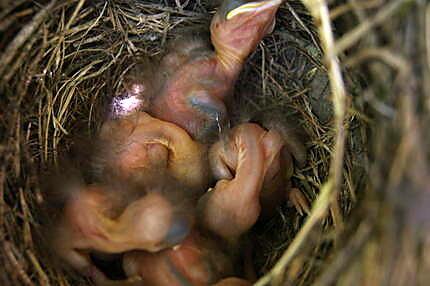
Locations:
354 75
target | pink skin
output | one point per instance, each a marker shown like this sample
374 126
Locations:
279 169
192 96
88 225
188 263
139 144
280 151
245 165
198 80
196 261
236 38
233 206
252 168
136 147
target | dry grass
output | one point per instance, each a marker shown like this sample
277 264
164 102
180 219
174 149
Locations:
61 61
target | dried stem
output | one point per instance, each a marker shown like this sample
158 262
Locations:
348 253
23 36
355 34
319 210
385 55
320 13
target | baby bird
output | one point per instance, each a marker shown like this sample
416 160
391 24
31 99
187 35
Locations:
198 260
233 206
282 153
145 170
95 220
253 170
137 146
197 79
159 131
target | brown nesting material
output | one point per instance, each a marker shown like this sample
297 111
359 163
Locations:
62 61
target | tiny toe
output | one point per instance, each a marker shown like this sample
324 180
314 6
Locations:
219 167
299 201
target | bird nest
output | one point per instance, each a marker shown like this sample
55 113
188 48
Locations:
361 101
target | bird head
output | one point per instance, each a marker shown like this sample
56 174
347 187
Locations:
239 26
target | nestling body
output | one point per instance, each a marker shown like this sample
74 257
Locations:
165 131
94 221
195 78
198 260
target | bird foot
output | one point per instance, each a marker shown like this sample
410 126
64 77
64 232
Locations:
299 201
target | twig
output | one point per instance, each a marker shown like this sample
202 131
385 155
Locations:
332 272
320 12
304 27
17 63
353 36
427 41
23 36
12 7
7 22
16 264
181 6
163 8
427 34
75 14
345 8
2 202
96 22
26 215
42 275
318 212
395 61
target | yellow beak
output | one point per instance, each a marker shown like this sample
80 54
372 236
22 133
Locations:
252 6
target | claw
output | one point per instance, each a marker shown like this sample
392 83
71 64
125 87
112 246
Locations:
299 201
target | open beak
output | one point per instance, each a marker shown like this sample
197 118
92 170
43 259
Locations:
255 6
